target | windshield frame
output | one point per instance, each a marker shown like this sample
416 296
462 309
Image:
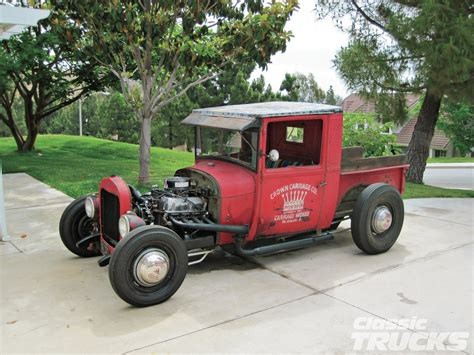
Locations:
224 158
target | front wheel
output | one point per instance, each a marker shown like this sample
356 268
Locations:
377 218
75 225
148 266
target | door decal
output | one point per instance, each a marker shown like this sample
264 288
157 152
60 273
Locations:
292 199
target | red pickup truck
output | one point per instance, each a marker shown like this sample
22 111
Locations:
268 177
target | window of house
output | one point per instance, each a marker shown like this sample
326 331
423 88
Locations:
439 153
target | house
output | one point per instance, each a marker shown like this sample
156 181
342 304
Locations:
441 146
356 103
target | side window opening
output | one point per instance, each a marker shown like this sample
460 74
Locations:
297 142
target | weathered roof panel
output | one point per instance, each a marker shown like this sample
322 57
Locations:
240 117
231 123
269 109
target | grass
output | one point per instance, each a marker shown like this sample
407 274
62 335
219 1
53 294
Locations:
76 165
451 160
424 191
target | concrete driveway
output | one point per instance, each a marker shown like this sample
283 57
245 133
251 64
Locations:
319 299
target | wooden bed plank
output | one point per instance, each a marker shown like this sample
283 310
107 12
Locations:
352 153
372 163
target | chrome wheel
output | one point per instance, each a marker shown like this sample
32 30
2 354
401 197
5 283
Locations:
381 219
151 267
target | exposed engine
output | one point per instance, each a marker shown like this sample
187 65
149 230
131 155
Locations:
179 197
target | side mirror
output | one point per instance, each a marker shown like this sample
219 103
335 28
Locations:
273 155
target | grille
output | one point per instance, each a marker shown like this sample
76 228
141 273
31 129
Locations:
110 214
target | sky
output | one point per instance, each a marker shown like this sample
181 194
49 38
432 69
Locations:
311 50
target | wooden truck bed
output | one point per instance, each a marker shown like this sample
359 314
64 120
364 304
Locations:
358 172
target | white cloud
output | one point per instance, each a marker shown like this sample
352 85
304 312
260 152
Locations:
311 50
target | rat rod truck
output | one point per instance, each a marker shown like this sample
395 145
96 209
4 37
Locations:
268 177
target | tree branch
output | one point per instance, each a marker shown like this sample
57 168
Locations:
184 91
368 18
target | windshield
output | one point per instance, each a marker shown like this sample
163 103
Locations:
236 146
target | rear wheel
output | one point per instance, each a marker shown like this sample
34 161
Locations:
74 226
148 266
377 218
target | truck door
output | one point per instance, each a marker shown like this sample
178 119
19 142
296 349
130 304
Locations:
291 188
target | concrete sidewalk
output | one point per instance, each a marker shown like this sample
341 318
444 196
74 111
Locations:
300 301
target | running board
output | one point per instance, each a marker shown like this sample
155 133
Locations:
283 246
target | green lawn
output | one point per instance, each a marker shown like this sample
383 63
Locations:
451 160
423 191
75 165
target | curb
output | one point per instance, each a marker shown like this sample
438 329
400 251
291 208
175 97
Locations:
450 166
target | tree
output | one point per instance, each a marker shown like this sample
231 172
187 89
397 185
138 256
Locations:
46 70
361 129
404 46
330 96
457 121
159 49
303 88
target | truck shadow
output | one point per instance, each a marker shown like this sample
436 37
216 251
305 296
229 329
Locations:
220 260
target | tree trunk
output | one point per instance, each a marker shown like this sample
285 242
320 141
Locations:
419 147
15 131
144 150
31 139
170 133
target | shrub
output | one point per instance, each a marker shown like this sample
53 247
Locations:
363 130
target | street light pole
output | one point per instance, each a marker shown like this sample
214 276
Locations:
80 117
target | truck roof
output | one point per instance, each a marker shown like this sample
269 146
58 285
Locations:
241 117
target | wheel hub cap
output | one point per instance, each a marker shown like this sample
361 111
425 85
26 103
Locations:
381 219
151 267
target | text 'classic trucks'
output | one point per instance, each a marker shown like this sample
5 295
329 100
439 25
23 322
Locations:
268 177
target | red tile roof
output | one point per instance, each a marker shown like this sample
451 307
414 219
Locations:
439 141
356 103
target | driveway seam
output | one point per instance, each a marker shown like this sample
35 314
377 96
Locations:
437 219
221 323
35 206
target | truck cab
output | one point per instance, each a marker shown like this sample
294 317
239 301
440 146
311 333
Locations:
268 177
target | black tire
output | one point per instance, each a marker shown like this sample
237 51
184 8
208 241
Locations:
121 266
75 225
363 234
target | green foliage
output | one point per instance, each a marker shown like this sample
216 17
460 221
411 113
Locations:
330 96
108 116
363 130
405 46
104 115
169 45
303 88
167 130
76 165
457 121
46 69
